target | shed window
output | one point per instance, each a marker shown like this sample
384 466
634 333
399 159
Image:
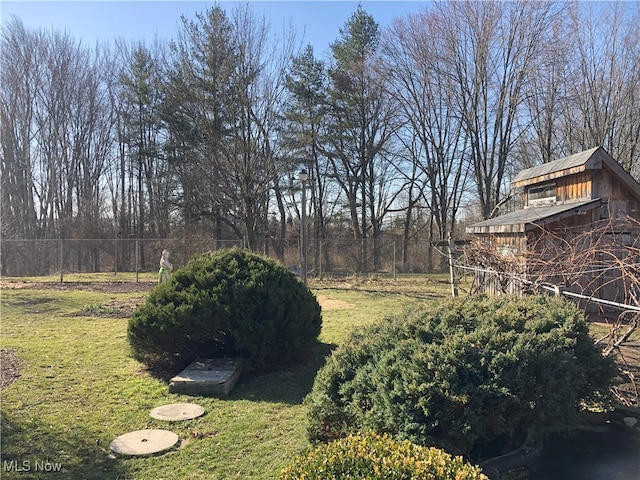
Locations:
542 194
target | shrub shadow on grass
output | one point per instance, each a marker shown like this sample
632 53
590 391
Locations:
167 370
283 383
72 453
289 383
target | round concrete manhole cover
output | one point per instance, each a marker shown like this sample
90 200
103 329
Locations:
177 411
144 442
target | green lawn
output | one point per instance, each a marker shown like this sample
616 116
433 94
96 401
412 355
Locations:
80 389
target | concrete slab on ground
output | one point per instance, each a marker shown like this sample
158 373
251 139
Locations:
176 412
144 442
207 377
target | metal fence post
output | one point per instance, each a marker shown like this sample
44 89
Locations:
61 260
395 273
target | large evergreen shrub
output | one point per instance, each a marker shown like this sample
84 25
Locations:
468 377
227 303
375 457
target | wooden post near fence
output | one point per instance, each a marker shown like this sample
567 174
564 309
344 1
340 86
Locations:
452 268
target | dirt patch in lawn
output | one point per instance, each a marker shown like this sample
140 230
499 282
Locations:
106 287
10 370
112 309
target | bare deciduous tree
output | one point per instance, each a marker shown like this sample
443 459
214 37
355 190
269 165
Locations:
488 48
56 136
603 87
412 53
21 65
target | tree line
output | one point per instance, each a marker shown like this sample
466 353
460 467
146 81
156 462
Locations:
413 128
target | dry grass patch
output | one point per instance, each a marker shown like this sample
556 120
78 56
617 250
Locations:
329 303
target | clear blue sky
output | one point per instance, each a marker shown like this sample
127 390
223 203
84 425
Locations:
89 21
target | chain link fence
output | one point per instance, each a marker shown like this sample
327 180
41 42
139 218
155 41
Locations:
326 257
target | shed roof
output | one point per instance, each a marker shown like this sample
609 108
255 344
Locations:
571 164
518 220
592 159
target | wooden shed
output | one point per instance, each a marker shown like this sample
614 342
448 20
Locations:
564 199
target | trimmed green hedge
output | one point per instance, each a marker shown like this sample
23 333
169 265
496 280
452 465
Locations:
374 457
470 377
227 303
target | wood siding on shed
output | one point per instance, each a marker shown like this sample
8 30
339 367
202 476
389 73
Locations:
621 200
575 188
